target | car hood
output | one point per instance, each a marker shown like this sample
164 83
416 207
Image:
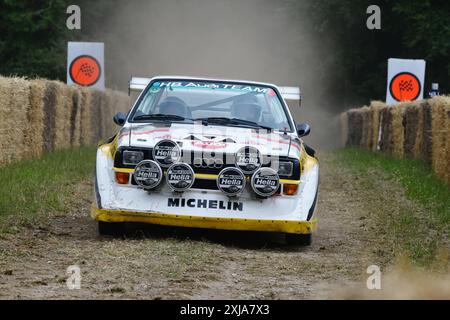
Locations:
197 137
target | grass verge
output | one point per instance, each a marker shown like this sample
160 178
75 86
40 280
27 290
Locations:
419 236
34 186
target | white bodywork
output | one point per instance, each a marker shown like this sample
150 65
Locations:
205 202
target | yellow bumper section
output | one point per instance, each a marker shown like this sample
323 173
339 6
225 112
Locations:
286 226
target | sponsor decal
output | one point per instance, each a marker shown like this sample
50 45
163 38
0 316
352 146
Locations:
208 144
148 174
166 153
248 159
231 181
205 204
265 182
180 177
208 85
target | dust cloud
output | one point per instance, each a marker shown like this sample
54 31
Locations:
260 40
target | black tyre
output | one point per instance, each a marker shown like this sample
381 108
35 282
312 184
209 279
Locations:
298 239
114 229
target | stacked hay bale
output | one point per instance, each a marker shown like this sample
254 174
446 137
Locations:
343 119
86 136
427 143
447 140
355 128
411 125
419 129
375 110
14 101
35 130
39 116
366 127
398 132
440 133
386 139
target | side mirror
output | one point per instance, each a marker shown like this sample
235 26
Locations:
303 129
120 118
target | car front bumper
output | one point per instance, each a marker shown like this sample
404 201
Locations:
285 226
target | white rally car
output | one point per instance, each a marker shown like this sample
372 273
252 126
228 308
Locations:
206 153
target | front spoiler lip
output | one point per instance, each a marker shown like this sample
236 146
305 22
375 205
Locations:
285 226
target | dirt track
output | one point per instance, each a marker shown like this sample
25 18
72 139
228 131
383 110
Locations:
165 263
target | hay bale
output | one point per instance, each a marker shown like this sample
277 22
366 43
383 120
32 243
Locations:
63 114
40 116
439 135
447 140
35 115
85 111
96 120
366 127
386 140
427 143
5 102
50 101
75 116
343 119
419 134
398 132
355 127
410 127
14 119
376 107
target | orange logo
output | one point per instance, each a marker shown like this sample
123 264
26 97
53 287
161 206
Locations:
405 86
85 71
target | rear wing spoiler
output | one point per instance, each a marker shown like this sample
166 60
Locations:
291 93
138 84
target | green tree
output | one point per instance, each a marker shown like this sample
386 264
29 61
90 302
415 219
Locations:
33 37
358 56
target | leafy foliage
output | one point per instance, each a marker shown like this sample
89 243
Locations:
33 38
410 29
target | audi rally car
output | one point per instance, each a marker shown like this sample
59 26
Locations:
206 153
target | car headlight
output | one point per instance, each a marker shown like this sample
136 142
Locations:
285 169
132 157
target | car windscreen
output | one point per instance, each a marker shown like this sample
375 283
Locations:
193 100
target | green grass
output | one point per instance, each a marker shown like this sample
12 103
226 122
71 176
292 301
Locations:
44 185
420 237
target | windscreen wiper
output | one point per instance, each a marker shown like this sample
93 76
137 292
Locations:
159 116
233 121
